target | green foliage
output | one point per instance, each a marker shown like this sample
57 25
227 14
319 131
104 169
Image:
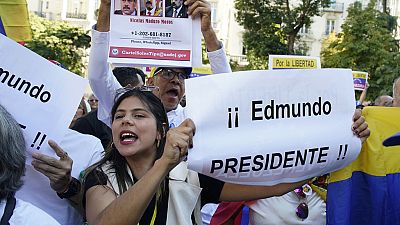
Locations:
366 44
59 41
272 26
204 55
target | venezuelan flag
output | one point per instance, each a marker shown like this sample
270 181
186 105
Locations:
15 18
367 192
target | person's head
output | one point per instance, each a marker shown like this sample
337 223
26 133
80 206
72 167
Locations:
128 6
81 111
129 76
139 123
177 3
12 154
171 83
383 100
396 92
149 5
93 102
139 126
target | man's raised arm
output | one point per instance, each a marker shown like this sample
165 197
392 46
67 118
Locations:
101 79
216 53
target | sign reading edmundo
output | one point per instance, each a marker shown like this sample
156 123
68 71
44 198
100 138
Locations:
41 96
276 62
268 127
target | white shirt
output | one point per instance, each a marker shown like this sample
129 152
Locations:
84 150
104 84
282 210
176 11
27 214
152 11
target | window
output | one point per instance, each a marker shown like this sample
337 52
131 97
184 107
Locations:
47 4
330 26
304 30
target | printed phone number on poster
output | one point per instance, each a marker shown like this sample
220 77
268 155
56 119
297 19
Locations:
151 34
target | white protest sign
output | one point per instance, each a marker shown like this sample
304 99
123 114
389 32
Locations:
269 127
156 40
41 96
276 62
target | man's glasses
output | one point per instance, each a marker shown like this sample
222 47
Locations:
121 91
169 74
302 208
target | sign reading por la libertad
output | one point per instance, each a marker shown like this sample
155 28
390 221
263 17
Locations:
268 127
293 62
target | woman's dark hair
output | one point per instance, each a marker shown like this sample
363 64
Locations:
117 162
12 154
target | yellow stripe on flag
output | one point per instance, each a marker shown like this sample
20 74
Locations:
376 159
15 17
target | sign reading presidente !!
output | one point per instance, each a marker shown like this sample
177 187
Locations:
268 127
151 33
276 62
41 96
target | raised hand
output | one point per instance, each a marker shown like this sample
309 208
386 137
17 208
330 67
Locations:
57 170
179 140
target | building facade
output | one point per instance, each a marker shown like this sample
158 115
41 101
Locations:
77 12
331 20
82 13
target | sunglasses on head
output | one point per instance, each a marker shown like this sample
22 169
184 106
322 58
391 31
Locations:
121 91
169 74
302 208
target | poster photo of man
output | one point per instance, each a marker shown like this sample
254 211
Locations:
151 8
126 7
176 8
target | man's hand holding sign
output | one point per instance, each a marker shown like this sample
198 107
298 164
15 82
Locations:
254 131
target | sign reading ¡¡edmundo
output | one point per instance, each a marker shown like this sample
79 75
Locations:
269 127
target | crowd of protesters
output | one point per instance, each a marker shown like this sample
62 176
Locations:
121 160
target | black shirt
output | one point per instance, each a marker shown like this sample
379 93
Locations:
210 194
89 124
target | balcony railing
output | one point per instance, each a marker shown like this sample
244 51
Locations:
40 14
335 7
81 16
240 59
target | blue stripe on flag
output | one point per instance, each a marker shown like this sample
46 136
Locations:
2 30
364 199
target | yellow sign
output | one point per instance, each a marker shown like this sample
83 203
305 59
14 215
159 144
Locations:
293 62
357 74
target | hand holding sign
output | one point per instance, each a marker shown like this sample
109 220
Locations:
57 170
360 127
179 140
200 8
